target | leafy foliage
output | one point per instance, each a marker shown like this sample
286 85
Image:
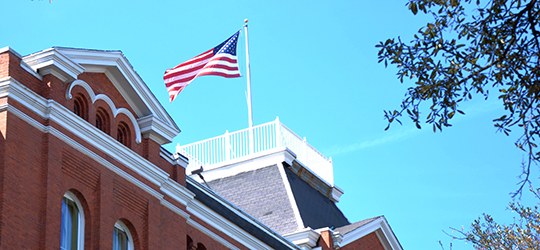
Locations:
469 49
523 233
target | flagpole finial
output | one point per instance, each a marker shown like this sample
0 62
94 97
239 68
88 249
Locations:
245 20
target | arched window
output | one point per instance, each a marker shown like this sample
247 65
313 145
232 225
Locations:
122 133
79 107
200 246
72 223
102 120
122 239
189 243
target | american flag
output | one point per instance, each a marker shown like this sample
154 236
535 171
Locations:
219 61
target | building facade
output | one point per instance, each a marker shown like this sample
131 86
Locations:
82 167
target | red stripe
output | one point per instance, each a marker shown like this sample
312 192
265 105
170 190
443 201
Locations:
173 94
221 66
183 80
193 60
223 58
183 72
220 74
177 88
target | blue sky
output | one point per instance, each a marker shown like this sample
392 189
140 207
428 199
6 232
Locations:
313 64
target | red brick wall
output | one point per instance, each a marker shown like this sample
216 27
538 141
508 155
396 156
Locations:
368 242
10 65
36 170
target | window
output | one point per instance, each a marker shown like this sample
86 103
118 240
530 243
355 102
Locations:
72 223
121 237
122 134
80 108
189 243
102 120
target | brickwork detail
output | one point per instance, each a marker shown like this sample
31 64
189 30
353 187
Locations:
124 197
79 170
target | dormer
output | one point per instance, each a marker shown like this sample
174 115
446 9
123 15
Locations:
127 94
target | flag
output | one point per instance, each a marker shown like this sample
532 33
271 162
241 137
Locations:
218 61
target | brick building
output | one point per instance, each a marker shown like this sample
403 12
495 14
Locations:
82 167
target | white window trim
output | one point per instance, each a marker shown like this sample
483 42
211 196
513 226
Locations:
120 225
80 226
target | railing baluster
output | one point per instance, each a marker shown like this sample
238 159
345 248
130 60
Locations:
257 139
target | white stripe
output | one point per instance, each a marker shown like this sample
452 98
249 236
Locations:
225 55
178 77
219 62
180 84
199 56
225 71
187 67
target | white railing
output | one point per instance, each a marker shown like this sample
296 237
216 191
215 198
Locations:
243 143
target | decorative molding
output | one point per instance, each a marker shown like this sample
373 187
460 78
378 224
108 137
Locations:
52 61
177 192
212 234
385 234
336 236
155 129
174 208
306 238
121 73
9 49
244 164
336 194
30 70
109 102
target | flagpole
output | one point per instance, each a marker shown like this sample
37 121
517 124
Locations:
250 111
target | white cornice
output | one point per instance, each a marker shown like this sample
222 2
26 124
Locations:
244 164
177 192
156 129
306 238
212 235
175 209
7 48
336 193
51 61
31 70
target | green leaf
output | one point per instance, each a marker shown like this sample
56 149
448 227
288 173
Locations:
413 8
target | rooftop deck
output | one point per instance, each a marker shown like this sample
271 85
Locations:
244 144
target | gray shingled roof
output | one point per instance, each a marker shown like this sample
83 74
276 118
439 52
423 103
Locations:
316 210
262 194
351 227
230 212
